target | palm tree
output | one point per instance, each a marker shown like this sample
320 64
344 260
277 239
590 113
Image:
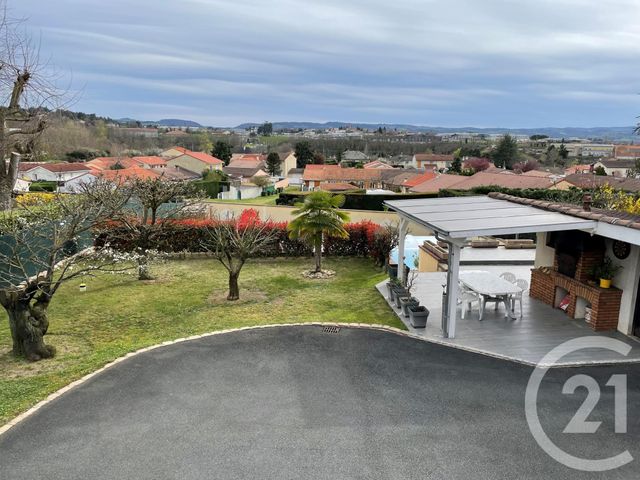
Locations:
317 216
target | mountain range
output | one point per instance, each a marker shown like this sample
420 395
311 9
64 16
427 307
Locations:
165 122
605 133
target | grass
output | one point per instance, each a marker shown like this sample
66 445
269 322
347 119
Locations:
118 314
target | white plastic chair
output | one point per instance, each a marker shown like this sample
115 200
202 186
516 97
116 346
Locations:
523 285
466 298
508 276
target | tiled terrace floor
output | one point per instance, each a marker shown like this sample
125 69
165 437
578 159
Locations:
527 340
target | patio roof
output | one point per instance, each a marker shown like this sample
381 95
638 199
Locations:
464 217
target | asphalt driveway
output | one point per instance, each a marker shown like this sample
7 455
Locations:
298 403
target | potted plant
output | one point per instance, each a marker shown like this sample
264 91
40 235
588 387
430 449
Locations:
404 302
606 271
418 316
393 282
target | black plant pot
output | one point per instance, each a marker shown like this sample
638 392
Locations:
406 302
418 316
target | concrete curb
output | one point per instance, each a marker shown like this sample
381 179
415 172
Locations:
377 327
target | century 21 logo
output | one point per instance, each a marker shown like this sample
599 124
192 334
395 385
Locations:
579 422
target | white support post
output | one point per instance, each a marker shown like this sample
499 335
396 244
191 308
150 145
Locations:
452 289
402 233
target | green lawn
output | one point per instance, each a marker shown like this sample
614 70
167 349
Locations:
118 314
266 200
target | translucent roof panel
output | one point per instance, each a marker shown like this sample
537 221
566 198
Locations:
464 217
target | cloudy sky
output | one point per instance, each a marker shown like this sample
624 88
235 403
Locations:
509 63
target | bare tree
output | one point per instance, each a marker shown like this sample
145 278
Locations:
152 203
41 247
233 243
26 90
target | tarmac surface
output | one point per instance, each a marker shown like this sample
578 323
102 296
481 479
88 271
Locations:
300 403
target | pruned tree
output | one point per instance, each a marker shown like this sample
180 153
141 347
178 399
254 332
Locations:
506 152
42 247
273 164
151 203
222 150
319 216
233 241
26 90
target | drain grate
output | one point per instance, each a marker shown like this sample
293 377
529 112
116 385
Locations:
330 329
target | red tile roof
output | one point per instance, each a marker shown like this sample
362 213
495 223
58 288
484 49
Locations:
128 173
412 182
482 179
203 157
628 151
59 167
151 161
440 182
584 168
106 163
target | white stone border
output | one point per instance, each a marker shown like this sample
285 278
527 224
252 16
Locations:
373 326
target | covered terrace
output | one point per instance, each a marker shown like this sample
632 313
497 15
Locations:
528 338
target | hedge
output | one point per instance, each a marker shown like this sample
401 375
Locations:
366 239
573 195
356 201
43 187
210 187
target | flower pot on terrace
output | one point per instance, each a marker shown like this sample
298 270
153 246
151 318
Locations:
605 283
418 316
398 294
406 302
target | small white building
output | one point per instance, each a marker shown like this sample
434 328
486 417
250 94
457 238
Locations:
52 172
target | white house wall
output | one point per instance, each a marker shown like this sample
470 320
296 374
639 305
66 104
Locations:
627 281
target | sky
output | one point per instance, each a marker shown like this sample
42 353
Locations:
453 63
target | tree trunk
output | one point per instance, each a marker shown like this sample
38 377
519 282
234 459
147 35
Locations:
143 269
29 324
318 254
234 289
5 197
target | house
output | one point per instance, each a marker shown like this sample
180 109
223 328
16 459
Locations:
442 181
596 150
151 162
395 179
21 186
503 179
245 172
110 163
123 174
196 162
173 152
377 164
314 175
51 172
288 161
584 168
626 152
240 189
432 161
353 156
571 240
295 176
417 180
76 184
615 168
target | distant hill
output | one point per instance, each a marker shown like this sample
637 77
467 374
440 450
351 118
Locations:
605 133
165 122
